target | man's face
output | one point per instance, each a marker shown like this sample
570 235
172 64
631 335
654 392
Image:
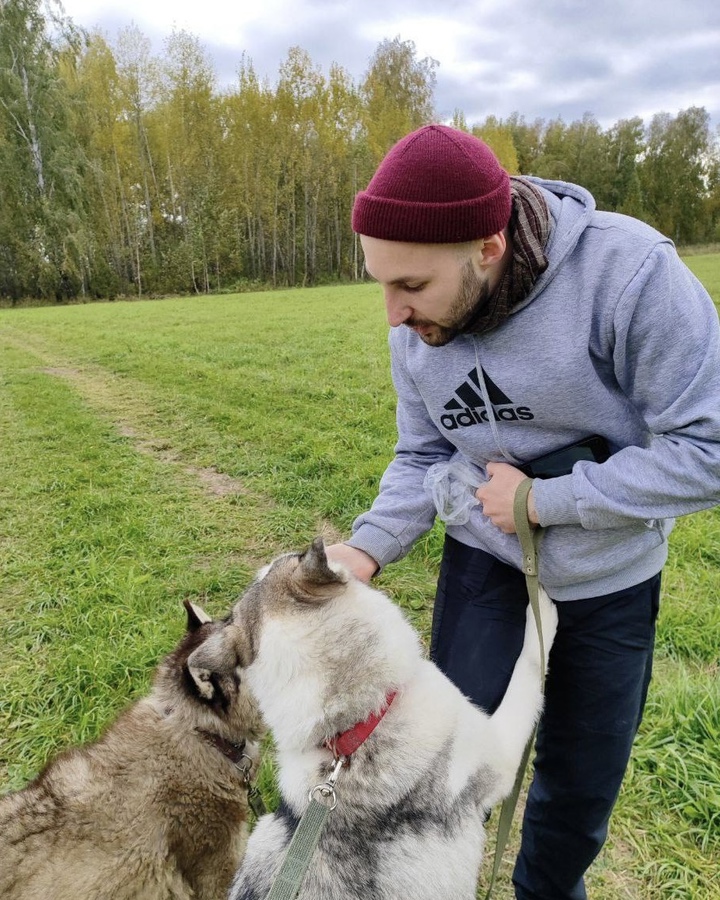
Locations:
431 288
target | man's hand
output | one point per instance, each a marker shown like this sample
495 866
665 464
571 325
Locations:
498 495
357 561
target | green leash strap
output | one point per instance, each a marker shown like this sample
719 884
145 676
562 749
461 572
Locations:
530 538
529 544
299 852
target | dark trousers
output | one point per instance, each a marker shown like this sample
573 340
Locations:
599 671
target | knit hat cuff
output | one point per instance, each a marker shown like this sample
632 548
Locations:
417 222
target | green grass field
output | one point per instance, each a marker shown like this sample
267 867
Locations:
159 450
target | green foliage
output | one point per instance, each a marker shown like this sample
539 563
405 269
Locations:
156 451
42 213
398 94
499 138
675 174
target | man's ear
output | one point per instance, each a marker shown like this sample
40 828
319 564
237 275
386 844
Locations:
489 252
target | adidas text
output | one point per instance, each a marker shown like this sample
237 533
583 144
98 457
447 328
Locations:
469 416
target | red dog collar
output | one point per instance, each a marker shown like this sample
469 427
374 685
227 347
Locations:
346 743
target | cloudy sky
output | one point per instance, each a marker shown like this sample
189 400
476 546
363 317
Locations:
542 58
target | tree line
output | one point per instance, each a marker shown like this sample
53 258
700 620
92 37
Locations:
128 173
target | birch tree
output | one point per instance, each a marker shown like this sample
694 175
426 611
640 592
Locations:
188 117
40 164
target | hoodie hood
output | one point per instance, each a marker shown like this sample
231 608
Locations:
571 208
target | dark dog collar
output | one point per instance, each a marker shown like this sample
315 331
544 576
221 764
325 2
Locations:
234 752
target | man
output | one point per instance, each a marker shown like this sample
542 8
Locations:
523 321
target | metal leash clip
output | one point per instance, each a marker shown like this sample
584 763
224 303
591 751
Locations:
326 790
255 800
244 766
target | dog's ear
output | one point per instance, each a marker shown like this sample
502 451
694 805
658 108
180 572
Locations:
313 580
214 665
196 616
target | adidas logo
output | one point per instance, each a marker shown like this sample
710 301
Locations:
472 408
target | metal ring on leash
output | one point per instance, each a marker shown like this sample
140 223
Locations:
325 791
327 788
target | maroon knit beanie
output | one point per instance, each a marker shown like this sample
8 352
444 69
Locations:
437 185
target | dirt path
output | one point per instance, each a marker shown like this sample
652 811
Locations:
123 404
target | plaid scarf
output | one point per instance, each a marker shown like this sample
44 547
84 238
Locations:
529 229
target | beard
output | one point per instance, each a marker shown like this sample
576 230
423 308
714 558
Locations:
472 297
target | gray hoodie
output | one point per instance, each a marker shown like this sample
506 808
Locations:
617 338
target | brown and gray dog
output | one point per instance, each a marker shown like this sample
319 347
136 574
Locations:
156 809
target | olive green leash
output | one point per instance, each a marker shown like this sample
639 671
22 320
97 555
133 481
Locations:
300 851
529 538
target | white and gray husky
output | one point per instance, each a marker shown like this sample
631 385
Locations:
322 652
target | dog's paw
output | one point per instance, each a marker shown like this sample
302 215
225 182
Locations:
548 623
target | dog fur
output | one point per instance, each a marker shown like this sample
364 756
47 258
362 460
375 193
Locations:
321 651
155 809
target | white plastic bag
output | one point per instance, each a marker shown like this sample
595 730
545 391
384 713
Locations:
452 487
